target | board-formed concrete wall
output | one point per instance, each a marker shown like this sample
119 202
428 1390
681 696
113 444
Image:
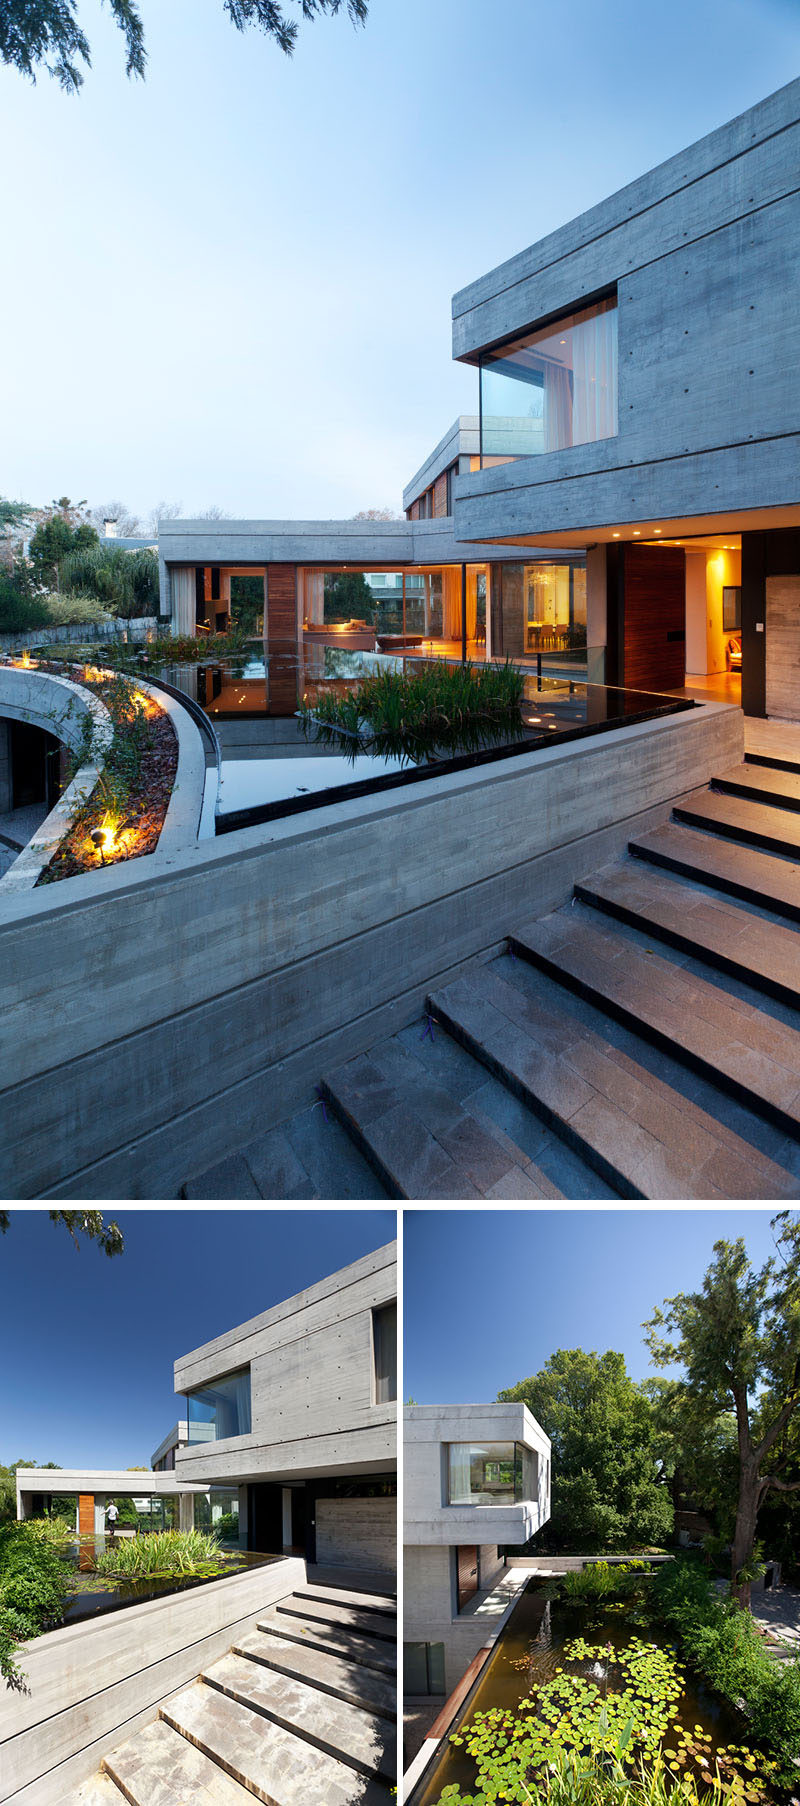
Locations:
357 1533
93 1684
703 253
157 1014
311 1384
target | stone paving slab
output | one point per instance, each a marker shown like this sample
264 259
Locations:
763 953
649 1140
280 1768
740 818
352 1646
330 1673
100 1791
734 1043
359 1738
763 783
382 1603
159 1767
344 1617
739 871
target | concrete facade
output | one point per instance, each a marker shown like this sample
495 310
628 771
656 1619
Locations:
320 1459
434 1531
701 256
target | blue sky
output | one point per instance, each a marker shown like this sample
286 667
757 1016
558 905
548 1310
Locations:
490 1295
87 1344
231 284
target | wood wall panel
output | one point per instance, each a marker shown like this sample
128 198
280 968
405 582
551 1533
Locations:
281 602
783 647
440 497
86 1514
654 617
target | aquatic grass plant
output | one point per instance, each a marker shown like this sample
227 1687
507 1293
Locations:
570 1779
161 1553
436 711
602 1580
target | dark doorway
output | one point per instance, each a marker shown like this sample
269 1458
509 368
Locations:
467 1573
299 1520
265 1519
35 760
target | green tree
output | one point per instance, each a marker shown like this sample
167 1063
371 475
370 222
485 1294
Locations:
699 1460
738 1341
89 1223
606 1490
53 540
348 597
45 34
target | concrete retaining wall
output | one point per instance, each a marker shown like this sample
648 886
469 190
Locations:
158 1012
80 633
357 1533
93 1684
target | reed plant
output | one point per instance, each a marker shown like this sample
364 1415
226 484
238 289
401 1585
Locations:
438 710
160 1553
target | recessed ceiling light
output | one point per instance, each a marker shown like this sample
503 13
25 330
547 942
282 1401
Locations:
615 536
656 529
636 533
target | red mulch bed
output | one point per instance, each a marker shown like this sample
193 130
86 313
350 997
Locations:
147 803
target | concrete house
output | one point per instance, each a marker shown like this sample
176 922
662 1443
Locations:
290 1439
639 378
292 1420
476 1482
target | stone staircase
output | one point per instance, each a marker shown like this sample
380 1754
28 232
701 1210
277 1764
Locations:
641 1042
301 1710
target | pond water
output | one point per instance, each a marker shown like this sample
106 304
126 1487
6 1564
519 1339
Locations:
529 1653
93 1594
287 770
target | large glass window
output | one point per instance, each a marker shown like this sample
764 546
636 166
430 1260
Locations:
218 1510
423 1669
552 387
220 1409
489 1473
384 1343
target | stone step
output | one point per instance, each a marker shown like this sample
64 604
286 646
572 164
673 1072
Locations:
742 819
772 763
741 1049
359 1738
344 1617
276 1765
330 1673
645 1138
365 1602
351 1646
764 784
736 871
159 1767
422 1141
759 952
100 1791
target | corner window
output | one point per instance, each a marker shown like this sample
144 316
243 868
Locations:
220 1409
490 1473
552 387
384 1353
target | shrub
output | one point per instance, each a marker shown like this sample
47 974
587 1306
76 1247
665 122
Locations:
19 611
74 610
124 582
601 1581
439 709
33 1581
721 1641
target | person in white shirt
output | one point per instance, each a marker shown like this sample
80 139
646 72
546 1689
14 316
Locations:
111 1518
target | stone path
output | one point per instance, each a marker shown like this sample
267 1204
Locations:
290 1718
641 1042
778 1612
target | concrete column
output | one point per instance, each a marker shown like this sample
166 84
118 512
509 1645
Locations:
426 625
185 1510
6 802
242 1517
286 1503
596 613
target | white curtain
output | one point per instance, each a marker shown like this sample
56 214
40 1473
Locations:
459 1489
558 430
594 364
183 604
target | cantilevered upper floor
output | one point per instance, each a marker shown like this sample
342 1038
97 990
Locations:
641 365
474 1474
308 1389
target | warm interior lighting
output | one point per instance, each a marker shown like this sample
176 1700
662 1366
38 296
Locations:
615 536
636 533
656 529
